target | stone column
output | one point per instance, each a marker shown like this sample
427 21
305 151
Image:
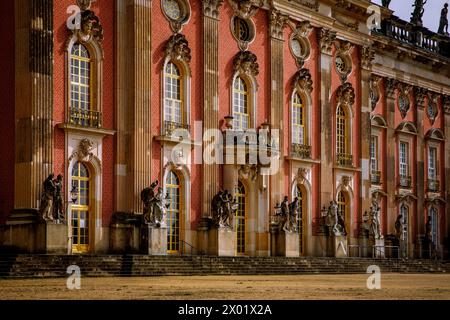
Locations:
391 184
367 55
210 93
326 38
277 23
33 99
445 185
134 139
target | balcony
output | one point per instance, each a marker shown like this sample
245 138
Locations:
405 181
343 159
85 118
170 127
433 185
302 151
375 177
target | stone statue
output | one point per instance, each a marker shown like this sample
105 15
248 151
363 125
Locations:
443 23
374 220
385 3
289 213
428 231
46 205
58 202
416 16
335 221
216 207
155 206
224 208
399 226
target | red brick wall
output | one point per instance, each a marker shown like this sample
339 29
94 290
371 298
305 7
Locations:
7 108
104 9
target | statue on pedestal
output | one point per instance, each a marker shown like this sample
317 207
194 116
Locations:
155 206
374 220
416 16
224 208
58 202
443 22
385 3
289 213
46 204
335 221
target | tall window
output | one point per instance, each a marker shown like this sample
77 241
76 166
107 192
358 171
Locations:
80 213
240 217
298 120
432 163
434 225
343 209
173 102
173 212
404 159
301 219
80 78
404 211
341 131
241 110
374 154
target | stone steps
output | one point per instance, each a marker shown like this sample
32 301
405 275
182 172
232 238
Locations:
29 266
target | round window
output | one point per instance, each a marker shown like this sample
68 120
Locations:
297 49
172 9
340 64
242 29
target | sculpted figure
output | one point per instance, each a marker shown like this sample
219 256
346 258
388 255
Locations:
58 203
443 22
46 204
155 205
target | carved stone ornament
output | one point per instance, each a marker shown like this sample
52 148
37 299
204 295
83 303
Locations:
299 43
177 12
374 91
326 38
343 60
310 4
90 26
246 62
403 103
432 109
367 56
246 8
303 80
346 94
420 94
177 48
391 85
248 172
211 8
84 151
345 182
277 23
302 176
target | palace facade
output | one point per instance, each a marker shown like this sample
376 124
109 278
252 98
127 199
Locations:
96 90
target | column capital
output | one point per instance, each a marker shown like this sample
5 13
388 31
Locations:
211 8
277 24
326 38
367 56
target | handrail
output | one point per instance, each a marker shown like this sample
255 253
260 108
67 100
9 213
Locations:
192 248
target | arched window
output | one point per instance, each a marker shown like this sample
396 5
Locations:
343 210
298 120
434 226
341 131
173 188
173 95
404 212
301 195
81 97
241 109
240 218
81 210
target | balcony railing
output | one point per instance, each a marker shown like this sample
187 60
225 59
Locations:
405 181
301 150
345 160
375 177
170 127
433 185
85 118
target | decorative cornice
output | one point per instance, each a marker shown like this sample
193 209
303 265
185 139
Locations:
246 9
303 80
367 56
346 94
211 8
277 23
326 38
177 48
420 94
245 62
310 4
374 91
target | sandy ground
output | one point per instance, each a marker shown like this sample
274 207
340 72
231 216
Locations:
393 286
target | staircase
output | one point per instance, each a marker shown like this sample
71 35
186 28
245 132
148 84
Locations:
34 266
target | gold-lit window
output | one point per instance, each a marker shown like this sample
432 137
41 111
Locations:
80 217
343 209
80 78
240 105
301 219
173 101
341 131
374 153
298 120
240 218
173 212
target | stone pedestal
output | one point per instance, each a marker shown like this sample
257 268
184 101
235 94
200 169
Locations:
288 244
202 235
340 247
52 238
379 249
157 241
222 242
124 238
